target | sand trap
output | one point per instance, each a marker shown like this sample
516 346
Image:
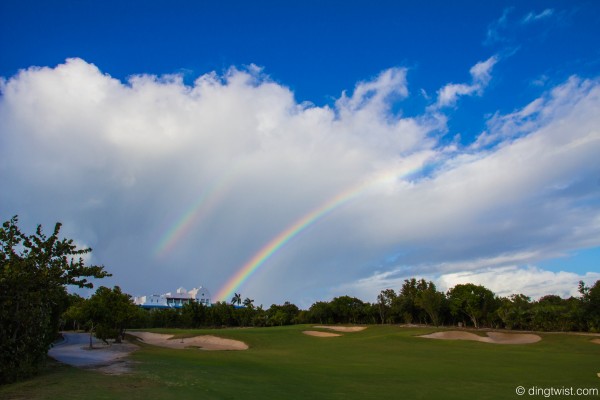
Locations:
492 337
597 341
342 328
513 338
455 335
205 342
320 334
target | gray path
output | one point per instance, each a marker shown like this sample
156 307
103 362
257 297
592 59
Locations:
74 350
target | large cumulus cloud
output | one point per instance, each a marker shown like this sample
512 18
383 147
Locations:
121 162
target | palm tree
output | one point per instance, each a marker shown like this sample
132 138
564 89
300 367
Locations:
237 298
248 303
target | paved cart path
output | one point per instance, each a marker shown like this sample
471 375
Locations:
74 350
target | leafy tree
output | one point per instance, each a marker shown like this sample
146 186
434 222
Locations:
285 314
71 318
303 317
474 301
106 314
193 315
385 300
431 301
117 309
578 317
165 318
221 314
370 313
34 272
244 315
515 311
591 304
321 312
548 313
346 309
278 318
260 317
406 302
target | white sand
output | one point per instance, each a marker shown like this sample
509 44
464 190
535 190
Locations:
320 334
513 338
455 335
204 342
342 328
492 337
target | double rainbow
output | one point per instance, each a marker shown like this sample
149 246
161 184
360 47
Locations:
275 244
194 214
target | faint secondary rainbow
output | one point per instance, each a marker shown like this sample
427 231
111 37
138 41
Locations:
193 215
244 273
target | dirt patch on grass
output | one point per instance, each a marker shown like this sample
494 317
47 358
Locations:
597 341
204 342
118 367
342 328
320 334
492 337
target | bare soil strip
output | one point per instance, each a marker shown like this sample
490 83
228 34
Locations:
204 342
492 337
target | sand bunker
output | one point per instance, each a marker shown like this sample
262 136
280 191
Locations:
513 338
492 337
205 342
343 328
320 334
597 341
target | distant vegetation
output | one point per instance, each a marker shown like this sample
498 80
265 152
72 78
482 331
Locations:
417 302
34 305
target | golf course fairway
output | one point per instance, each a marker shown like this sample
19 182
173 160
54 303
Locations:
380 362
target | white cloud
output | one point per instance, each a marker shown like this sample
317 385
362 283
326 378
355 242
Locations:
480 74
531 281
376 93
541 111
503 279
120 163
495 30
507 30
533 17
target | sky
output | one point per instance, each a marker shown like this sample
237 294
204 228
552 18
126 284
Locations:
298 151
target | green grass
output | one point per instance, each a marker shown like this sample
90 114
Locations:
382 362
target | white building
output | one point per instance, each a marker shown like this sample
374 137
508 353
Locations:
178 299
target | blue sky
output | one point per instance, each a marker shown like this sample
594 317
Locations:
458 90
318 49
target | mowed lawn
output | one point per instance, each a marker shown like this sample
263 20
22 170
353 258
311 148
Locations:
381 362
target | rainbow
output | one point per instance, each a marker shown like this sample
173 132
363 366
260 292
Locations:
193 215
244 273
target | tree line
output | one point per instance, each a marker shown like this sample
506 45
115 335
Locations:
476 306
417 302
35 271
